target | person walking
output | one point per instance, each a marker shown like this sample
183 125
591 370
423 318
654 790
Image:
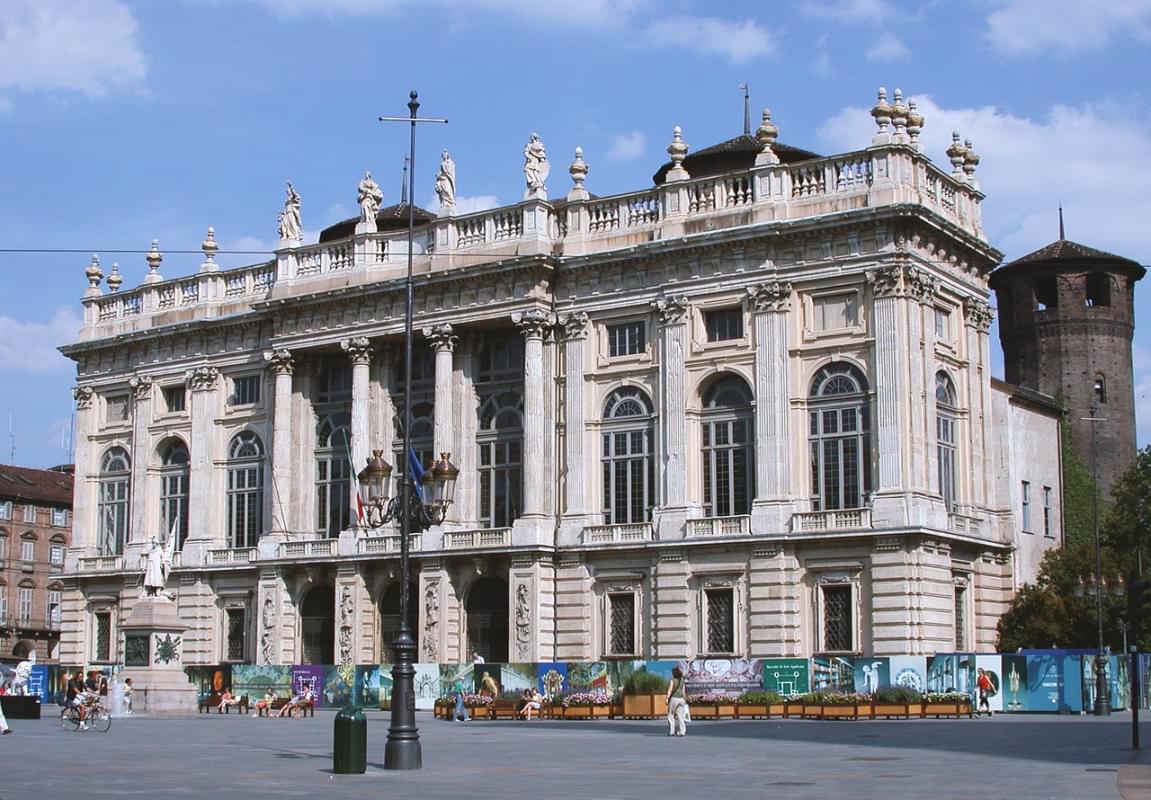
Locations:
461 712
676 705
983 683
5 728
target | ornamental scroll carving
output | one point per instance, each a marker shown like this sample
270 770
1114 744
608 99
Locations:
202 379
884 281
347 618
441 338
141 387
83 396
978 314
574 325
359 349
268 631
523 623
671 310
431 621
533 323
766 297
280 361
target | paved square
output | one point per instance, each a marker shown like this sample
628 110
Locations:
215 756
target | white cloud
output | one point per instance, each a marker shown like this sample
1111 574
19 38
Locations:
31 346
1022 27
627 146
888 47
736 41
482 202
821 65
85 46
588 12
849 10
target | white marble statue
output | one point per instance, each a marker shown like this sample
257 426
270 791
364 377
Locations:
536 167
22 673
157 564
369 197
290 216
446 183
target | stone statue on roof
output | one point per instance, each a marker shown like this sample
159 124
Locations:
536 167
446 183
369 196
290 216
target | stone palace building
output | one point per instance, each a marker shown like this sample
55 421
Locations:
745 411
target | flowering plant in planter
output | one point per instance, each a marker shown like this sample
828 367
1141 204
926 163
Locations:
596 698
758 697
709 699
837 698
946 697
898 694
476 699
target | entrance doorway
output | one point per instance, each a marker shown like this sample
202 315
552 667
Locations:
318 626
487 610
390 620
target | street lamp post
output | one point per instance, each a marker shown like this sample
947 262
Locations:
402 750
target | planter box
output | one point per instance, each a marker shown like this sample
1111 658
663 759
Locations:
937 710
479 712
752 710
846 712
903 710
644 706
587 712
793 708
704 711
811 711
615 710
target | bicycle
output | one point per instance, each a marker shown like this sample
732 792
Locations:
98 718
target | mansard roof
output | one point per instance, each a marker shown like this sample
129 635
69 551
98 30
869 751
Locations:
734 154
22 484
392 218
1066 253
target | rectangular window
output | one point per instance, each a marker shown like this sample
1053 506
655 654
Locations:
24 603
720 620
236 629
1025 493
960 618
245 390
116 408
3 549
838 627
56 555
835 311
27 550
52 610
175 399
60 517
943 324
6 509
621 618
724 324
1048 531
30 514
3 603
626 339
103 636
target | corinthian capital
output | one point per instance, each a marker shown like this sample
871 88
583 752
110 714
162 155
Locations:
978 314
920 285
441 338
884 281
533 323
671 310
280 361
141 387
359 349
774 296
574 325
83 396
201 379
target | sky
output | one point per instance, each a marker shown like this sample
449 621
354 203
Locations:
123 121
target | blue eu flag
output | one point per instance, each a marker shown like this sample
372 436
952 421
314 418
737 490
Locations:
416 471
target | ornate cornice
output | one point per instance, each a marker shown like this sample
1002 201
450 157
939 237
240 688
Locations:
671 310
280 361
574 325
202 379
441 338
359 350
770 297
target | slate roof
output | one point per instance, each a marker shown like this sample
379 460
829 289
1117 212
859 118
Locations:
391 218
1066 253
734 154
49 487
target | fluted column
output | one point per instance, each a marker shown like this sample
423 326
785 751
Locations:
85 526
977 316
921 289
202 383
890 391
466 507
138 528
770 304
359 351
672 414
443 345
282 365
533 324
574 327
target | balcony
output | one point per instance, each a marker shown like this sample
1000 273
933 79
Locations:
618 534
719 526
387 544
839 519
964 523
482 537
235 555
102 564
309 548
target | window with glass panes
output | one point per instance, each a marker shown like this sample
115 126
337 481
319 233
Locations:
6 509
499 434
1048 527
59 517
175 467
1025 495
245 492
175 399
628 466
960 618
838 624
245 390
236 634
626 339
3 602
112 507
116 408
945 438
28 550
103 636
30 514
720 620
724 324
621 622
838 438
728 449
24 603
52 610
56 555
423 410
333 475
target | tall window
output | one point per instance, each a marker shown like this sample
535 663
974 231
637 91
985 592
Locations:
112 510
960 618
236 638
6 509
245 390
103 636
728 456
3 602
423 409
1048 525
719 619
626 339
499 435
333 475
628 466
621 621
52 610
1025 498
839 438
30 514
838 618
24 603
28 550
945 416
174 471
245 490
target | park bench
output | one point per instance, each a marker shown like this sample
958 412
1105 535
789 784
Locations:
504 709
303 709
212 701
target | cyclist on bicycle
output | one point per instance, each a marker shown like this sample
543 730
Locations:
76 696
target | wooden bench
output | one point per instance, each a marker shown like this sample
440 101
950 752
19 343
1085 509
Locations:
303 709
212 701
504 709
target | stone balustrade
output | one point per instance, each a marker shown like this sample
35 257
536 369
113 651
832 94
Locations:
309 548
965 523
234 555
482 537
387 544
101 564
840 519
719 526
618 534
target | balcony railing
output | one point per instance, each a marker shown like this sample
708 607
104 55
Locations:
964 523
719 526
617 534
839 519
101 563
387 544
309 548
483 537
231 555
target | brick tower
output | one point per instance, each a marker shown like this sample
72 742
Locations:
1066 319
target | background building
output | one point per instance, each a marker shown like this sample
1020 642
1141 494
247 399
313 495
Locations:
35 534
745 411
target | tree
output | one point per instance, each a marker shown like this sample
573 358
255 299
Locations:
1128 525
1078 494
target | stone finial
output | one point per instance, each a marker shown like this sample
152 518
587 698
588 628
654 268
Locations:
154 258
899 115
210 249
915 122
678 152
957 154
766 134
882 113
115 280
970 161
94 275
578 170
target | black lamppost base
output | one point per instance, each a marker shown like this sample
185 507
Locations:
402 750
1102 691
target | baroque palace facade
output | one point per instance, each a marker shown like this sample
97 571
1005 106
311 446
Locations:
745 412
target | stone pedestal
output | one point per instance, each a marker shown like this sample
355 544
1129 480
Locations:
154 658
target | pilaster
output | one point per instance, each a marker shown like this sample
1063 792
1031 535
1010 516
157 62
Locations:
533 325
282 366
466 507
443 345
775 604
573 328
572 610
772 508
203 385
671 607
977 316
359 351
891 388
138 528
83 497
671 515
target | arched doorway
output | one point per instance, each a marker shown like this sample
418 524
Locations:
318 626
487 610
390 620
23 650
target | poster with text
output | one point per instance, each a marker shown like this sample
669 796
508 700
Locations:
1044 682
787 676
308 678
38 682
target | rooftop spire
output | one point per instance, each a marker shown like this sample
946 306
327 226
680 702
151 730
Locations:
746 109
404 187
1061 235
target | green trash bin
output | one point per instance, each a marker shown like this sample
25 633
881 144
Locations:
350 747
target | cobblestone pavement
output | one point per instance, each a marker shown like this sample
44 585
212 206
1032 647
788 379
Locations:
215 756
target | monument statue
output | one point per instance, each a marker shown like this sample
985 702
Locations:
369 196
157 564
536 165
290 216
22 673
446 183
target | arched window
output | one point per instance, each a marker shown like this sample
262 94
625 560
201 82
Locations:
728 450
174 471
500 438
628 466
333 475
945 437
112 508
245 490
839 438
1099 388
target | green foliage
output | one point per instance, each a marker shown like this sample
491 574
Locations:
644 682
1078 495
898 694
758 697
1128 525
